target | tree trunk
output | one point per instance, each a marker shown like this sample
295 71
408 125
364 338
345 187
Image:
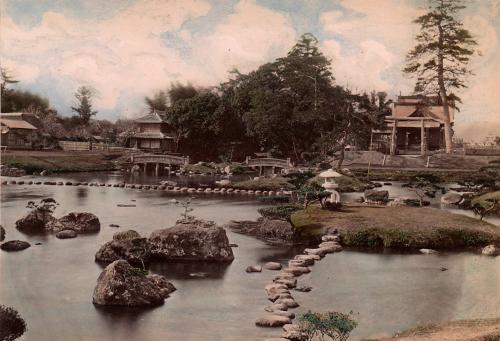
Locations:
444 96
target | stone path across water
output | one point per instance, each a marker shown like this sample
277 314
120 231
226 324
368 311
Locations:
171 189
278 292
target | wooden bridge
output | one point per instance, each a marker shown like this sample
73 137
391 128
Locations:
269 162
159 159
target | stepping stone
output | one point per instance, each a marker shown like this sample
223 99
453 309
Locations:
272 266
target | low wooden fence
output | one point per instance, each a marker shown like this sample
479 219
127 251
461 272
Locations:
87 146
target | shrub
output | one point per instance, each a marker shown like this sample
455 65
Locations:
12 325
129 234
282 212
333 324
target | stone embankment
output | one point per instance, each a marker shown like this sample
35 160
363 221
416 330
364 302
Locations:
171 189
279 292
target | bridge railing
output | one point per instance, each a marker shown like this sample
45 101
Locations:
269 162
165 159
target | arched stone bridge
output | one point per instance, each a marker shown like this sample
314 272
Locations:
269 162
159 159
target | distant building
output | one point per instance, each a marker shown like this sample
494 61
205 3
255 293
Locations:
20 131
153 134
415 126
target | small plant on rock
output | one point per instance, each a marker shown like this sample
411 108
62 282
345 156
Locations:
48 205
185 216
334 325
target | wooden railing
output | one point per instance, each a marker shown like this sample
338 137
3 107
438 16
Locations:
268 162
164 159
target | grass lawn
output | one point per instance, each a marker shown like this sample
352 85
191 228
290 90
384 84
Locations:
399 227
479 330
59 161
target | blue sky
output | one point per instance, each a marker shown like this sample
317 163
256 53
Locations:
126 49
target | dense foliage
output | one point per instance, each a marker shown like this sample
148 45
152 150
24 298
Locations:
337 326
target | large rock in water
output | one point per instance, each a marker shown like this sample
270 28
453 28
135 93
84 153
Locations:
36 220
2 233
192 241
127 245
378 196
123 285
79 222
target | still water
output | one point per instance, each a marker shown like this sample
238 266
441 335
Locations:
51 284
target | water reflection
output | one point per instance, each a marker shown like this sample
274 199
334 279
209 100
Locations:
388 291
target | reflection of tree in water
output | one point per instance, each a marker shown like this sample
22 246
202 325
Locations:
82 195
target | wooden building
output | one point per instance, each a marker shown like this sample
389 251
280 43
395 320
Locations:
19 131
153 134
415 126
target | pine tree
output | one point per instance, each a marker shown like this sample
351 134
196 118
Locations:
84 104
439 59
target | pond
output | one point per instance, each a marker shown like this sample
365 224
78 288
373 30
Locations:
51 284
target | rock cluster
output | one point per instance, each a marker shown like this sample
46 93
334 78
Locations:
121 284
39 220
191 241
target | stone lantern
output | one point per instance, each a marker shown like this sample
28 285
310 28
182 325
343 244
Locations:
330 185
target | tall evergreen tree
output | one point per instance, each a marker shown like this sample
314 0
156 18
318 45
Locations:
83 106
439 59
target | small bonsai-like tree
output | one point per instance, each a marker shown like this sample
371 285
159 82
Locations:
334 325
309 193
185 216
45 206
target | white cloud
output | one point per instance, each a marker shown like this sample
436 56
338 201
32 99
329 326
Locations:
247 38
122 55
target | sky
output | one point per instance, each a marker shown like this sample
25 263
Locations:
127 49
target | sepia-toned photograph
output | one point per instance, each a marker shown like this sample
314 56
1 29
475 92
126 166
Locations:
261 170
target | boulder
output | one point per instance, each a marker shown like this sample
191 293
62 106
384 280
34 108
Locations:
36 220
14 245
127 245
297 270
427 251
451 198
2 233
79 222
375 195
272 321
289 314
120 284
330 238
272 266
330 246
317 252
12 325
254 268
293 332
191 241
491 250
289 302
66 234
